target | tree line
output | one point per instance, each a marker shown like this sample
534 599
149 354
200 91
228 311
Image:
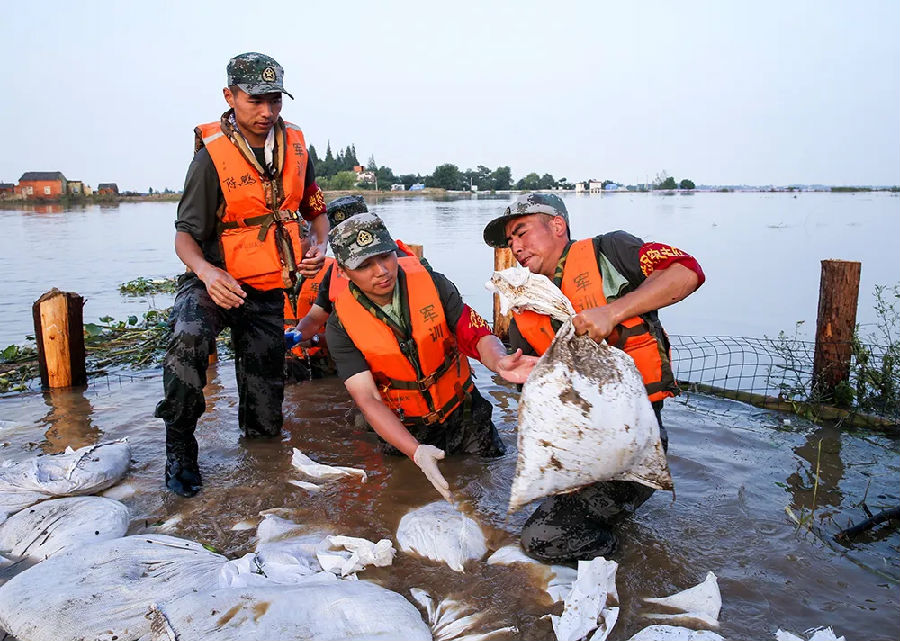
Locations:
337 172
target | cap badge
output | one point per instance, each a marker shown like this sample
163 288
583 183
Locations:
268 74
364 238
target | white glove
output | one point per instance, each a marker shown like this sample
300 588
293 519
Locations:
426 457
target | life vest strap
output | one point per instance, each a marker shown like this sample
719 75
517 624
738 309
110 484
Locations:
441 413
423 384
264 221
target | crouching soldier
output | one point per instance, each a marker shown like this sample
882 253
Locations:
400 336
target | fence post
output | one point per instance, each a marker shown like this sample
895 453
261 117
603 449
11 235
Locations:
503 258
417 250
835 324
59 334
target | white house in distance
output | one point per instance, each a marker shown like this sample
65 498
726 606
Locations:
580 188
595 186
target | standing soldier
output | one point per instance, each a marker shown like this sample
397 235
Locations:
616 283
250 198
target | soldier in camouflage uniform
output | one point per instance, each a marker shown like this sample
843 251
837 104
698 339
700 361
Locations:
272 191
399 335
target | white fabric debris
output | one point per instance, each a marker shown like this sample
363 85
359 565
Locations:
104 590
587 606
319 609
674 633
306 485
275 528
558 578
357 554
450 620
245 524
584 415
819 634
120 492
439 532
86 470
42 530
321 471
700 603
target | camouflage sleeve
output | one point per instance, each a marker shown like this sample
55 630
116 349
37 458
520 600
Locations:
312 204
200 199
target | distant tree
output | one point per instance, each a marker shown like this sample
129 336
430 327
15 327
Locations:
529 182
327 167
668 183
385 178
547 182
313 156
409 179
446 177
150 190
501 179
342 180
686 184
371 166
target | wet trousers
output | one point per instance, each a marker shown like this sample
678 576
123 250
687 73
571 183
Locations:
258 337
579 525
468 430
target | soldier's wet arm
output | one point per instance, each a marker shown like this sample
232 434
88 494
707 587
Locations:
386 424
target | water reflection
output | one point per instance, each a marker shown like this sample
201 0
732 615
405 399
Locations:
69 421
802 483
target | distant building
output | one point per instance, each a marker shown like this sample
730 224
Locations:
595 186
76 188
580 188
398 187
7 189
107 188
611 187
417 187
42 184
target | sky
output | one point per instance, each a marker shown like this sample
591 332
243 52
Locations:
717 92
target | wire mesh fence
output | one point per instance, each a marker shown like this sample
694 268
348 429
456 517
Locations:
778 373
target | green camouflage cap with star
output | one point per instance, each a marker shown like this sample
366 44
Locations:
358 238
524 205
340 209
256 74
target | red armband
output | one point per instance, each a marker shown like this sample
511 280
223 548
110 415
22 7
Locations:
312 205
655 256
469 330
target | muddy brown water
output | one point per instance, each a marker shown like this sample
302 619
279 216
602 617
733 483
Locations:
735 468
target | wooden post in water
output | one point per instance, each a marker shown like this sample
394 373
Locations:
418 250
59 334
213 352
503 258
836 322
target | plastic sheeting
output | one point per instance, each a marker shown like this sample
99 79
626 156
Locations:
47 528
588 606
439 532
699 604
820 634
674 633
86 470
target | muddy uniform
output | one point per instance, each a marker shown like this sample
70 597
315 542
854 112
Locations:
256 326
469 428
578 525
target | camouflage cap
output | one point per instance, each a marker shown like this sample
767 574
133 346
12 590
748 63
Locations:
358 238
340 209
255 74
524 205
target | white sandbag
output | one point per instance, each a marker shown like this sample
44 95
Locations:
86 470
317 610
438 531
104 590
674 633
819 634
276 528
451 620
589 605
700 603
42 530
558 579
584 415
321 471
357 553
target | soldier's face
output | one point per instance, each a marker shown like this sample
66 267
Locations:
537 241
255 115
376 277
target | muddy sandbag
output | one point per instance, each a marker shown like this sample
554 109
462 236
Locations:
584 415
441 533
87 470
674 633
52 526
451 620
103 591
319 609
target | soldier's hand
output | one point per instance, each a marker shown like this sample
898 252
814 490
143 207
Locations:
225 291
312 262
515 368
426 457
597 322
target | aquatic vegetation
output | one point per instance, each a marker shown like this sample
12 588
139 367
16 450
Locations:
143 286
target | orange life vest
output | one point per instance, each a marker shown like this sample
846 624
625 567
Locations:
583 286
426 377
253 252
309 291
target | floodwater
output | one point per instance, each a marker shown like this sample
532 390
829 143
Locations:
736 468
